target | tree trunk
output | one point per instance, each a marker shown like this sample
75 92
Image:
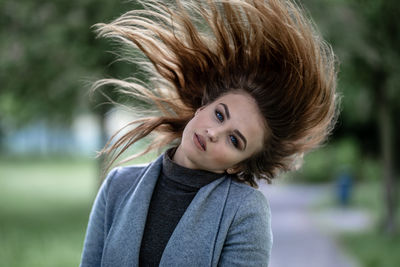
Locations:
386 144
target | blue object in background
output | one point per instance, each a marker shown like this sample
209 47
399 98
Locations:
344 188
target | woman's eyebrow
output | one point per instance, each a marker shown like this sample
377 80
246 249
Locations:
235 131
241 137
226 110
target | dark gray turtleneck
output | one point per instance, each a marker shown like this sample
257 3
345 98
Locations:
175 189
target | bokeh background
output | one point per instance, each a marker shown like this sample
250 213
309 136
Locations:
51 127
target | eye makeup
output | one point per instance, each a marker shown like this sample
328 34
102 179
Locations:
226 110
220 116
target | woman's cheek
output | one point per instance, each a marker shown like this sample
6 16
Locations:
221 157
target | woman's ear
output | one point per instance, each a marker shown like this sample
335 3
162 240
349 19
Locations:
234 169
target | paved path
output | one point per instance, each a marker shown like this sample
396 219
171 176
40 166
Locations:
298 242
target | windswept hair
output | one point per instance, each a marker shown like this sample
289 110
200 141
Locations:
196 51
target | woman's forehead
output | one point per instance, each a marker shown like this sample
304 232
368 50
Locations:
239 104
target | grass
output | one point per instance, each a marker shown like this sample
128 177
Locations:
44 209
372 248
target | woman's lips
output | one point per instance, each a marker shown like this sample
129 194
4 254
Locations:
200 142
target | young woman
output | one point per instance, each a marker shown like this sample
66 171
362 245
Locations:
243 90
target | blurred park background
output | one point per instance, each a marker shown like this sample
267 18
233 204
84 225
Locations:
50 127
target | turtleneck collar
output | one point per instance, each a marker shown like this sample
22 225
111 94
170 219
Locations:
186 176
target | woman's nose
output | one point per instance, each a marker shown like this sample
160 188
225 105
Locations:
212 134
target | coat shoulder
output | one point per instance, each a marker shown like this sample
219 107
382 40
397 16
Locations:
120 179
244 201
248 195
247 235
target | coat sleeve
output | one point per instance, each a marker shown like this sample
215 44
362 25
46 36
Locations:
249 239
95 233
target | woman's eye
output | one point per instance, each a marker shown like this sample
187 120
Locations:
234 140
219 116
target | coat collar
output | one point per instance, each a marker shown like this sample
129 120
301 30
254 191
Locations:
193 237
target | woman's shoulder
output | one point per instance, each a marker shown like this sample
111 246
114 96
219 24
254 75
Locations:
248 200
249 225
245 192
124 174
121 178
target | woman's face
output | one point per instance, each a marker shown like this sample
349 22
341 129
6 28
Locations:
222 134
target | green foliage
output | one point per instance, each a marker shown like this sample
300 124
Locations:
369 196
344 155
49 54
365 36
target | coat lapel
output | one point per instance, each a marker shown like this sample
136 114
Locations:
122 247
193 240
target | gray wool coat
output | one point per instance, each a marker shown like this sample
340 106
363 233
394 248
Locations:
226 224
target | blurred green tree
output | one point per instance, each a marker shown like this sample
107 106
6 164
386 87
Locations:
49 56
366 36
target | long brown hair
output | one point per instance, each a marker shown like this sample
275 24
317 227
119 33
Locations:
196 51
